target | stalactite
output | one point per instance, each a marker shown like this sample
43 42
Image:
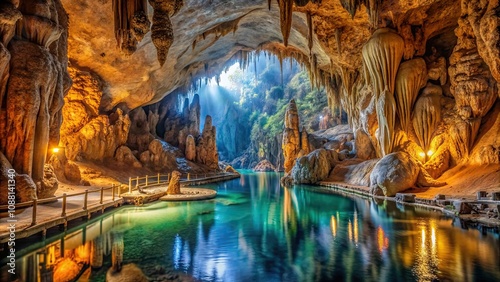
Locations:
9 15
162 33
381 56
39 30
338 33
386 115
411 77
310 29
286 15
427 114
351 6
131 23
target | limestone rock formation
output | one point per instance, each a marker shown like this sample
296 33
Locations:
294 142
49 183
357 173
411 77
206 150
394 173
314 167
363 145
472 84
124 156
34 82
160 156
190 148
174 186
139 135
264 166
99 138
25 187
427 115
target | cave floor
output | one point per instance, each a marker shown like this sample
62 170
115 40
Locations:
462 182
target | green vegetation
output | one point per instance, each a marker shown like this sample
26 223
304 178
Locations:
260 99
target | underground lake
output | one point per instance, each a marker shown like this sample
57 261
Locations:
258 230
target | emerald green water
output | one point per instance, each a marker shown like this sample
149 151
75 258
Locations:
257 230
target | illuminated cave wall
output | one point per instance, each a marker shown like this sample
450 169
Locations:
412 76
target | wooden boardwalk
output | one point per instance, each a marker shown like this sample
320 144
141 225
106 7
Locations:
36 217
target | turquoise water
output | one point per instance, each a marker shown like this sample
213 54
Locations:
256 230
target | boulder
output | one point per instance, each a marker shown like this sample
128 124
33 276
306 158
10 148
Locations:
72 172
394 173
363 145
49 184
124 156
313 167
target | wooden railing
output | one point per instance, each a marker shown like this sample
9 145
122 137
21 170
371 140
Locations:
115 191
161 179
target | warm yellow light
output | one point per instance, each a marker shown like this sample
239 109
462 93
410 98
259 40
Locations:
429 153
55 150
421 154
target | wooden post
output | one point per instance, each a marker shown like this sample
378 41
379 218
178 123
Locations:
158 178
130 184
113 191
147 180
189 176
33 218
85 199
102 195
168 177
64 205
137 181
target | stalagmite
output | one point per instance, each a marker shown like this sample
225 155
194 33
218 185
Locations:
386 115
291 136
304 142
190 148
411 77
381 56
427 115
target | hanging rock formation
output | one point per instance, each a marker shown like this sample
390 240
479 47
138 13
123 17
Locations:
411 77
427 115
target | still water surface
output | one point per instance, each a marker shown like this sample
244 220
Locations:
257 230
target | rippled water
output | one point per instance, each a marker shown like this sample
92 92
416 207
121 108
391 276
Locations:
256 230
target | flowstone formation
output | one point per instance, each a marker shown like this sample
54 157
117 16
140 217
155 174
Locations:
33 82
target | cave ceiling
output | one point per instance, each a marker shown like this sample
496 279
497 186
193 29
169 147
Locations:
209 34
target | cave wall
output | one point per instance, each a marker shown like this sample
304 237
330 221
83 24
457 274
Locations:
414 76
34 80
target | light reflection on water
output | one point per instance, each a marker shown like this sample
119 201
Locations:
257 230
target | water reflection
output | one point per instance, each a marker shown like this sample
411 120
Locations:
257 230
